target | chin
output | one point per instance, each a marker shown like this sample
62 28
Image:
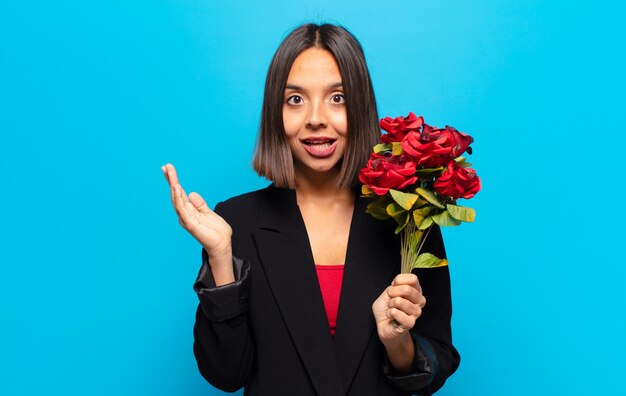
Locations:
323 169
330 166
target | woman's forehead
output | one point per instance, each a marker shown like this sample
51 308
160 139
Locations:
316 67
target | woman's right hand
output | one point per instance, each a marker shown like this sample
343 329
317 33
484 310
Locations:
206 226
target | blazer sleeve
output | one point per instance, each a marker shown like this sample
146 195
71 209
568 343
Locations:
435 356
223 345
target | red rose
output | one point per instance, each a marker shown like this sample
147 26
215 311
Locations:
398 127
385 172
458 182
433 147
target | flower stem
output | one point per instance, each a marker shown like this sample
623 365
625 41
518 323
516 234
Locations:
422 240
407 238
411 245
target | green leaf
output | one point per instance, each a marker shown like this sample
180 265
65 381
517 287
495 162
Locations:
400 215
462 213
395 211
430 197
406 200
426 210
427 260
401 226
426 223
429 173
461 161
445 220
378 210
421 202
381 148
366 191
396 148
420 214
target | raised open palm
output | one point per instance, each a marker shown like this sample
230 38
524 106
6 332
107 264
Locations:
207 227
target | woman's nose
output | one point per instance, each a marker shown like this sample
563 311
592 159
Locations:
317 115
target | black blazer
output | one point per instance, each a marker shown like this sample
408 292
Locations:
268 331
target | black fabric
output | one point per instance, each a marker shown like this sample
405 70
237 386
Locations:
425 366
227 301
268 331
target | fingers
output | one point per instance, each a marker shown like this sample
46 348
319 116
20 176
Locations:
184 208
407 279
183 195
189 209
405 301
180 201
407 292
199 203
164 170
170 174
402 309
397 309
405 321
405 306
172 178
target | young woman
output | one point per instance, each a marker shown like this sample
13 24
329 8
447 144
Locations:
299 288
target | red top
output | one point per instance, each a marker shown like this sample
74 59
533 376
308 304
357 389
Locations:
330 277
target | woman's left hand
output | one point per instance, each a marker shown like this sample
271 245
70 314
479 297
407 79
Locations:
398 307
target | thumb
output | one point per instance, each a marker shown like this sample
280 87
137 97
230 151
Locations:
199 203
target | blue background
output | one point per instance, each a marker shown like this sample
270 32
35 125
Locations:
96 274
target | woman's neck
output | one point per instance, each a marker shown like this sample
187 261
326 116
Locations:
321 188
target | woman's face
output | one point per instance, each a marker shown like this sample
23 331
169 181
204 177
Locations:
314 112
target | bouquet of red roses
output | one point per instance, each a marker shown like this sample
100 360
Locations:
417 174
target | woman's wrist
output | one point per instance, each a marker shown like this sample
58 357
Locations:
221 263
400 352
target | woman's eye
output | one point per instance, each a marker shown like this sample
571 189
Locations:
338 98
294 100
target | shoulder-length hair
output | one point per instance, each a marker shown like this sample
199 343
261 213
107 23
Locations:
272 157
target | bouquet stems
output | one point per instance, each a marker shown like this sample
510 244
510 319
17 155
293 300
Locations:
411 245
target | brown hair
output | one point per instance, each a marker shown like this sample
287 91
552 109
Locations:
272 156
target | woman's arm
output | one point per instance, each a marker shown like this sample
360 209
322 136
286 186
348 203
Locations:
205 225
419 354
222 342
396 311
432 329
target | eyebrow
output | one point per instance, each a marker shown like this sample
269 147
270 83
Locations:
299 88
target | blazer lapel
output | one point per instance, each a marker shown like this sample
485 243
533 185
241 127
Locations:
372 260
286 257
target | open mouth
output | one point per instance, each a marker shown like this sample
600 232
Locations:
319 146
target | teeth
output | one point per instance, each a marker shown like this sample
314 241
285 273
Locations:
320 145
